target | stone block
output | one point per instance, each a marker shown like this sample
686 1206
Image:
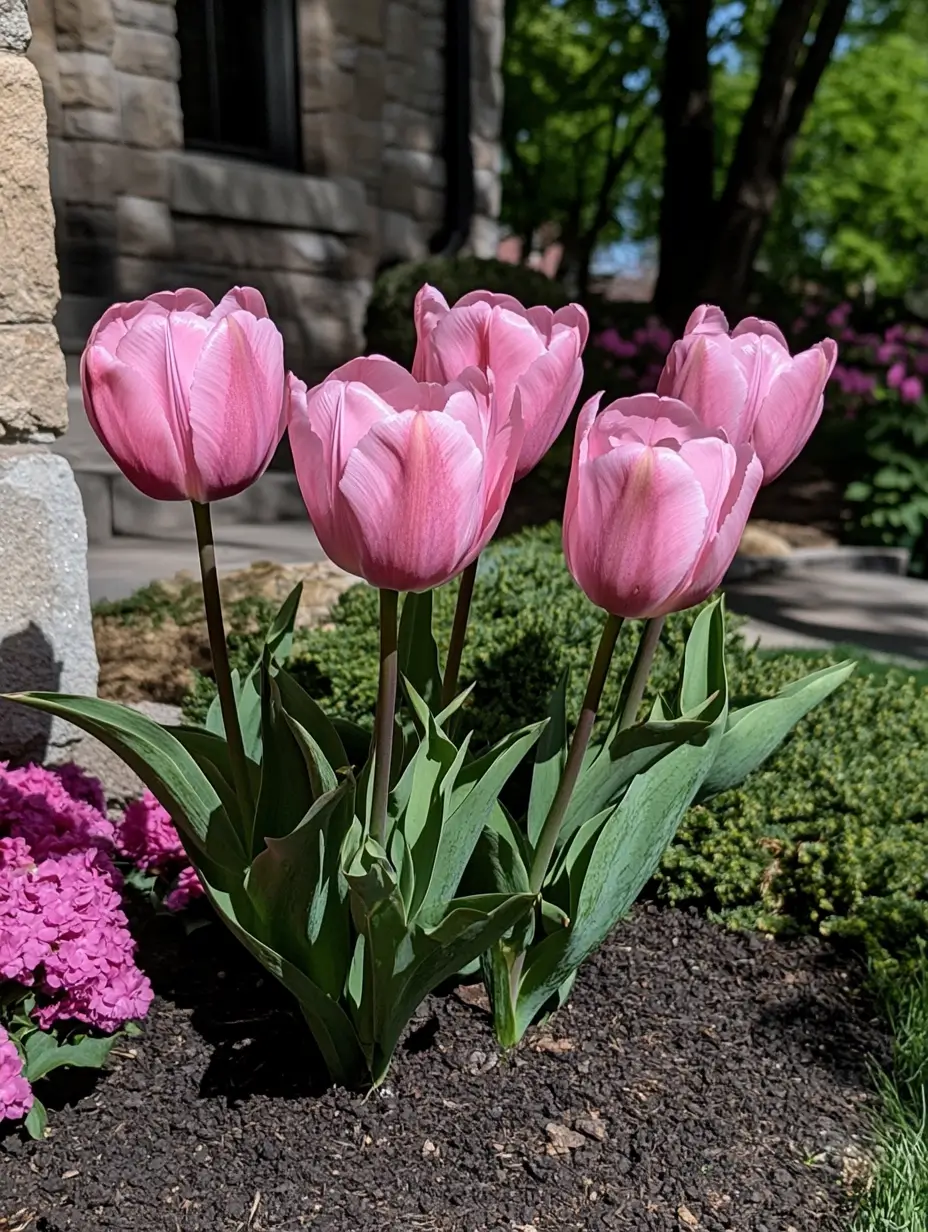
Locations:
146 173
33 389
409 129
487 193
147 53
157 15
206 185
151 114
361 19
90 172
85 25
401 237
484 237
326 87
400 81
369 83
14 26
240 246
87 79
144 228
46 640
28 272
403 40
88 124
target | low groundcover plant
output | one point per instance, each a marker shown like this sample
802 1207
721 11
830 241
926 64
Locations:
364 869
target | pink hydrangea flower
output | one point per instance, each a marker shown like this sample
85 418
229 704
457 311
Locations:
62 929
188 887
16 1096
147 836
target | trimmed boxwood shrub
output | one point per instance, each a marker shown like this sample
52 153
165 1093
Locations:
829 836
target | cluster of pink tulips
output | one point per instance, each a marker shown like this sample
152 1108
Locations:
339 857
406 475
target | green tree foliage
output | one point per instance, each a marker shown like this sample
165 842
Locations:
854 202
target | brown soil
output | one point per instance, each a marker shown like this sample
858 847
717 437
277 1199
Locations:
151 655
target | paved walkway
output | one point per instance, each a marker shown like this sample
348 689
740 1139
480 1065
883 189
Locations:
811 607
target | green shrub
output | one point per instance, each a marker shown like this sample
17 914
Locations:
390 327
827 837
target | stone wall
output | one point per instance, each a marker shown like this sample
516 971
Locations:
137 212
45 634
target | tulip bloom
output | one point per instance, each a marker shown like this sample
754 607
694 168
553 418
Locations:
534 351
747 383
405 482
188 398
656 505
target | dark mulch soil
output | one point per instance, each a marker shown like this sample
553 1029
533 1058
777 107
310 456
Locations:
699 1080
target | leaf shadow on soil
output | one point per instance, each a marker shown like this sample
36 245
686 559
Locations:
260 1044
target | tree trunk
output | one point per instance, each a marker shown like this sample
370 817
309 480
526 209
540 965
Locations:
687 204
787 84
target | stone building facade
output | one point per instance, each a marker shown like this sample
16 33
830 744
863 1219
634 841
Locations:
45 634
296 145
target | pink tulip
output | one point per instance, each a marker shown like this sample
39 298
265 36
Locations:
656 505
530 350
405 482
188 398
748 384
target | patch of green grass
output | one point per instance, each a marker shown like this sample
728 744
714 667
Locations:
897 1197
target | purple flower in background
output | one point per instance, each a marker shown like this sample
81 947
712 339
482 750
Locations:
895 376
612 341
839 316
911 389
887 352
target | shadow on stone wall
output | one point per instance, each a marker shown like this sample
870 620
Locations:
27 662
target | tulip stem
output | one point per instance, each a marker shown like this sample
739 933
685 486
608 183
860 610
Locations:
449 685
386 713
547 840
220 656
637 679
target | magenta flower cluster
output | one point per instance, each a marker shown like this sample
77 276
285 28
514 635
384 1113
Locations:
15 1091
874 363
63 933
147 837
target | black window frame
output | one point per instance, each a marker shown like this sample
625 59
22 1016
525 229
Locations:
281 79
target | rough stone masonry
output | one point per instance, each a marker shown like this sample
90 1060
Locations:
46 640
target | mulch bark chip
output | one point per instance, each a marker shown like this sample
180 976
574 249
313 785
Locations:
699 1079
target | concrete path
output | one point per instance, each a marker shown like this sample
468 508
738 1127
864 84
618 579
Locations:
810 607
887 615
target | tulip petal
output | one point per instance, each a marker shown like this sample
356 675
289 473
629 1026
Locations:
756 325
574 316
649 419
127 413
706 319
548 390
513 345
236 399
639 528
430 308
241 299
413 485
713 462
792 408
709 378
721 549
187 299
389 380
459 341
585 421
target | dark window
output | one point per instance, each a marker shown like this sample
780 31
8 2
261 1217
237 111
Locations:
238 86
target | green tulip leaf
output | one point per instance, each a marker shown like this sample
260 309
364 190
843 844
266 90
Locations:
550 759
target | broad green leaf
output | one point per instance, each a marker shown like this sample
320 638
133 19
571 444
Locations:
293 884
630 752
418 653
248 704
550 758
163 765
468 928
472 801
703 659
331 1027
211 753
309 714
279 638
754 732
44 1053
36 1122
286 792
